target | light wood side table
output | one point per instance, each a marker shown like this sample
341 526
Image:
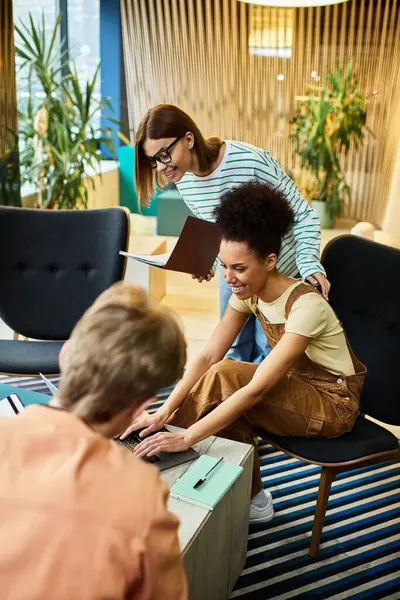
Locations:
214 543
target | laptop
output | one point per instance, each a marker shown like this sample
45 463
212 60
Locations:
163 460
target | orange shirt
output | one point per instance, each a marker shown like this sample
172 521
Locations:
81 517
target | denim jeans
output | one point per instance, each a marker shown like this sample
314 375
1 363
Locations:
251 345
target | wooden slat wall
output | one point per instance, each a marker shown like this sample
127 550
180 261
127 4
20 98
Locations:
8 95
195 53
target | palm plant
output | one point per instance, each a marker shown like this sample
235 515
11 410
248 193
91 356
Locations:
59 138
324 129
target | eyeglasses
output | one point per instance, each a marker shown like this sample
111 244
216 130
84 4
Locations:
163 156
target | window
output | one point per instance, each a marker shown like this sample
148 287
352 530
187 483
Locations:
84 38
22 8
83 25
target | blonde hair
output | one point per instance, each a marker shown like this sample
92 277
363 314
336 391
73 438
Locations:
121 352
167 121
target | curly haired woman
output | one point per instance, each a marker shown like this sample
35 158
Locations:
170 146
309 385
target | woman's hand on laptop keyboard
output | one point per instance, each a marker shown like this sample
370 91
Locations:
164 441
149 424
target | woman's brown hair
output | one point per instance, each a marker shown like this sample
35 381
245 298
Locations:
168 121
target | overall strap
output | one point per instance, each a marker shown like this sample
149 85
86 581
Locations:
254 305
299 290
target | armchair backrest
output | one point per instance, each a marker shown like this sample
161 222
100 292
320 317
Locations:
365 295
54 263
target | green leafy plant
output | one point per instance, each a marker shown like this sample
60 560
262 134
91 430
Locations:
326 126
59 139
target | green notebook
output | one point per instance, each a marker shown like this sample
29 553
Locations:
27 396
214 487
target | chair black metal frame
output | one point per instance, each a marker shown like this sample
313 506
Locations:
53 265
365 295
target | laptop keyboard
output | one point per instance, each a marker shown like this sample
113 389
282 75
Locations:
132 441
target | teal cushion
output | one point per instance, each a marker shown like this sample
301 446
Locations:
171 213
27 396
127 192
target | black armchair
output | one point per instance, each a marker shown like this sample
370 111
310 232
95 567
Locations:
365 278
53 264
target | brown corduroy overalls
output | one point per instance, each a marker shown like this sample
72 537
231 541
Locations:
308 401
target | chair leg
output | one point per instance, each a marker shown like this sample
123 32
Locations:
327 476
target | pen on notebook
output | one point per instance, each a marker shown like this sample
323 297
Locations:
202 480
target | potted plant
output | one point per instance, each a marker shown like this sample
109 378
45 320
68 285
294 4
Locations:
60 141
324 129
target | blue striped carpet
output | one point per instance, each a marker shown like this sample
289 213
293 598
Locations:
360 550
359 556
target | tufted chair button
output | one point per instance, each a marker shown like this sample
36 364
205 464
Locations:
87 269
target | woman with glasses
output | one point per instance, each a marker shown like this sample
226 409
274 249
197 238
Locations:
170 147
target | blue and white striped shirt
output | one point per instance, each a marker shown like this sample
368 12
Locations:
242 163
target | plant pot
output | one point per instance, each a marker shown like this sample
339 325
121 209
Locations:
326 218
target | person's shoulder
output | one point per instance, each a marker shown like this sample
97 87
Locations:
243 148
186 177
311 307
132 489
262 159
310 300
308 315
133 468
245 306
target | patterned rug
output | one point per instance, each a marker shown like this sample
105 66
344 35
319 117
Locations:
360 551
359 556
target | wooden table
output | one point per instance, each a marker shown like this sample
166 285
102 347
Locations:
214 543
152 279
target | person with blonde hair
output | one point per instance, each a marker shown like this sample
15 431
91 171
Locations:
170 147
82 517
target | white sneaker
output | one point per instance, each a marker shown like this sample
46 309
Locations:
264 514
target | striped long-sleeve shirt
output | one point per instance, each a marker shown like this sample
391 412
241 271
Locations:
242 163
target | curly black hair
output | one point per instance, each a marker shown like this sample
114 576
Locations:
255 213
